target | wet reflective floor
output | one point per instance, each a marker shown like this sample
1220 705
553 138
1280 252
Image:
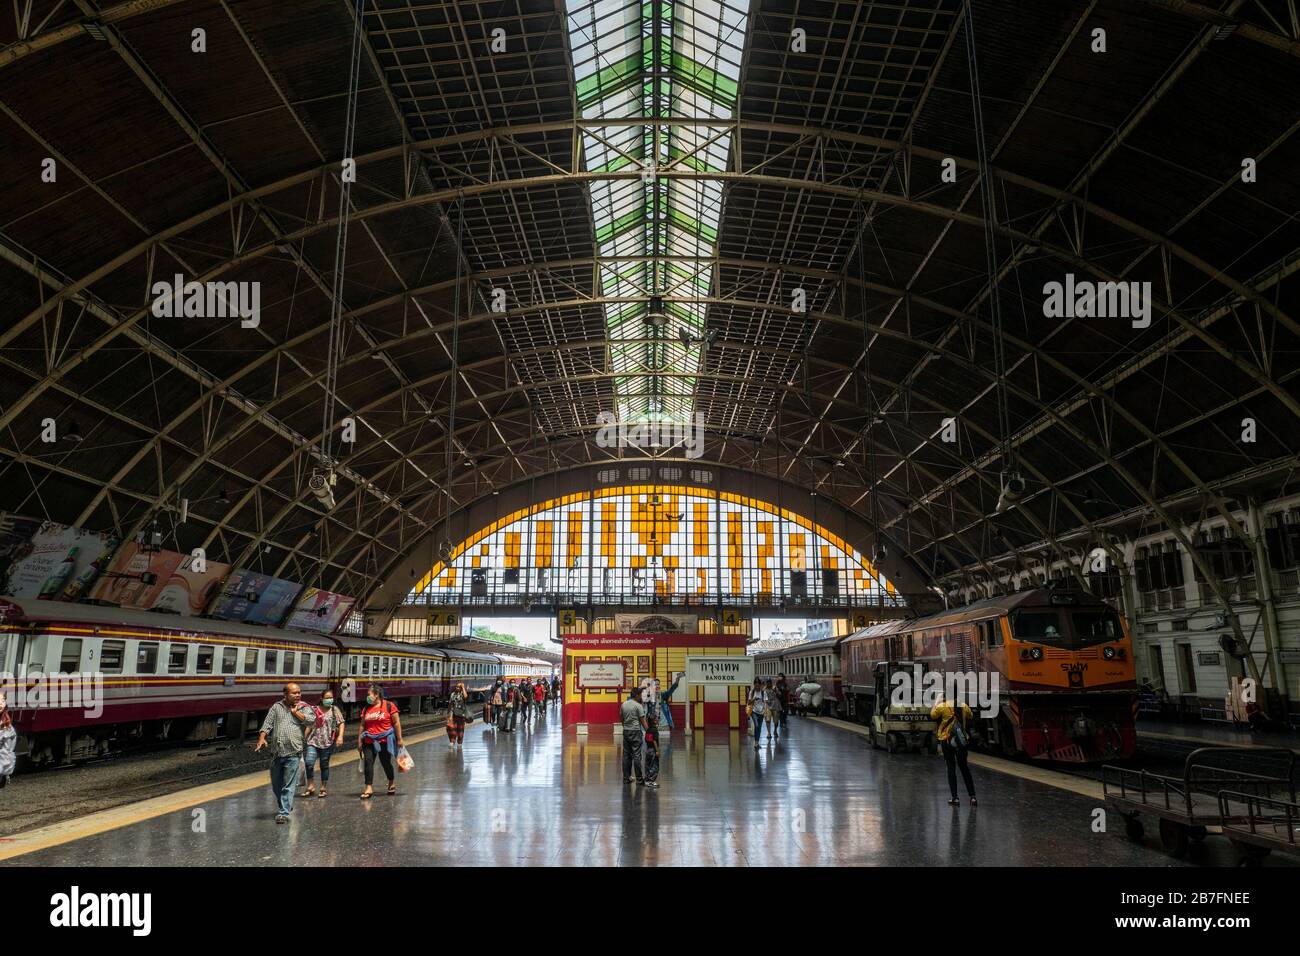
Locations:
817 796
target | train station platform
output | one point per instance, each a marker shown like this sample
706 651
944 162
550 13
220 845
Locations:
542 796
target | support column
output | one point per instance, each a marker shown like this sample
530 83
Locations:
1268 607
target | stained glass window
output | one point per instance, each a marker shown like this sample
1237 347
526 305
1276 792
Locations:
655 544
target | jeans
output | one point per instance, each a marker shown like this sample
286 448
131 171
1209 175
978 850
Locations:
651 765
324 753
756 718
284 781
632 755
956 757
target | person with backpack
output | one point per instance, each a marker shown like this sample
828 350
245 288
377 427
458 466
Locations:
539 697
380 736
498 705
651 751
773 715
954 739
457 716
525 701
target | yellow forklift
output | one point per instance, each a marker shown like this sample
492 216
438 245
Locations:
896 726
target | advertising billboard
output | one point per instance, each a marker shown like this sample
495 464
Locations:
254 598
60 563
15 539
319 611
159 580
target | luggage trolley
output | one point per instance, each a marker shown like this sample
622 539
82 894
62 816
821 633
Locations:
1188 805
1258 825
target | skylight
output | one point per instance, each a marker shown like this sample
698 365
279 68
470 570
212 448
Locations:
655 236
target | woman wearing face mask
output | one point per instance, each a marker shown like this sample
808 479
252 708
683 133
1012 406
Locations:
457 716
321 741
380 735
8 743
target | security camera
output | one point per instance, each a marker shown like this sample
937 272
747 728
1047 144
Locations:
1013 489
322 486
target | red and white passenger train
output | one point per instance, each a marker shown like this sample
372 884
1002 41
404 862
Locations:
166 677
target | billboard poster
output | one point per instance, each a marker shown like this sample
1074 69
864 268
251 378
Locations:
126 580
320 611
15 538
187 592
61 564
255 598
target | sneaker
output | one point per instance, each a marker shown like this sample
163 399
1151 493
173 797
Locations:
973 802
281 818
954 802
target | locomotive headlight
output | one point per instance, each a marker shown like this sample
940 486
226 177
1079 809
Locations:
1036 653
1108 653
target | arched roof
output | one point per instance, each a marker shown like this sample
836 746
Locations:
224 165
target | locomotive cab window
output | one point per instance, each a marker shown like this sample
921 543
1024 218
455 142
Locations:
146 657
1042 627
178 658
1096 627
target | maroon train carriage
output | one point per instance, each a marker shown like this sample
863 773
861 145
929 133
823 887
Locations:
164 677
175 678
816 661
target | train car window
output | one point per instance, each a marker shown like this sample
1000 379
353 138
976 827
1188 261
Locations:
229 659
250 661
320 663
204 663
37 648
69 659
146 657
178 658
290 661
352 665
110 656
365 666
374 665
1044 627
384 664
272 661
4 653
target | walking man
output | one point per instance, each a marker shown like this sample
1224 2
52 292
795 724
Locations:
284 726
632 715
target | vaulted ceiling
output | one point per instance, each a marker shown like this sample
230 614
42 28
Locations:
598 162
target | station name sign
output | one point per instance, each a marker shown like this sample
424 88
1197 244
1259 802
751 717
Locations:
734 669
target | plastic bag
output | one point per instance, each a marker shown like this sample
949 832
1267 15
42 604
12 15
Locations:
405 763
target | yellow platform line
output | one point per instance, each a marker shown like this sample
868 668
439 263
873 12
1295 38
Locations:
1051 778
69 831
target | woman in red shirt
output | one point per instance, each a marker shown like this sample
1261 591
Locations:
380 735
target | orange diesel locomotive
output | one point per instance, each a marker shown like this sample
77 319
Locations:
1064 663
